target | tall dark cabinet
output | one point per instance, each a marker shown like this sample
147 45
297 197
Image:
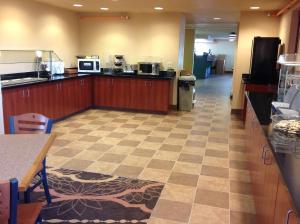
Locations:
263 72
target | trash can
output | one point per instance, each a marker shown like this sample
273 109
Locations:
186 92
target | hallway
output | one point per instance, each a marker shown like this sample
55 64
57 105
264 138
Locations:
198 155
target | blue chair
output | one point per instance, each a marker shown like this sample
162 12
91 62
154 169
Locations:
13 213
32 123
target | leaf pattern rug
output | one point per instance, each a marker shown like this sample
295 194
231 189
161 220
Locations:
84 197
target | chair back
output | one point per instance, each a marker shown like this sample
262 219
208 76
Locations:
30 123
8 201
291 94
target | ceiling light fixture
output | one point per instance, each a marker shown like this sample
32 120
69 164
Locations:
77 5
254 7
158 8
217 18
104 8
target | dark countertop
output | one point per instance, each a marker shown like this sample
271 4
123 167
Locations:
81 75
289 165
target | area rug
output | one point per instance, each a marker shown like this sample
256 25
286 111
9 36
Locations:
84 197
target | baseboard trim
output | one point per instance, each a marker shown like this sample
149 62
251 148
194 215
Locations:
173 107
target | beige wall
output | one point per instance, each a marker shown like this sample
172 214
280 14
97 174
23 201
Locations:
30 26
251 24
285 28
156 36
189 49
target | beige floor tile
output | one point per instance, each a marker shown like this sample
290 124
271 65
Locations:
184 179
203 214
241 217
215 171
77 164
213 183
161 164
217 146
150 145
190 158
239 165
78 145
214 161
187 168
172 210
155 175
56 161
216 153
212 198
148 153
193 150
180 193
154 220
112 158
123 150
242 203
102 167
100 147
238 156
109 141
128 171
240 175
67 152
166 155
89 155
139 161
240 187
197 144
170 148
174 141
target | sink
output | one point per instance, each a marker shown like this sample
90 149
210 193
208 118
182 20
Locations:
21 81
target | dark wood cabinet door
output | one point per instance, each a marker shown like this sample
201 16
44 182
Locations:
14 103
284 210
271 178
85 98
159 96
102 91
141 91
120 93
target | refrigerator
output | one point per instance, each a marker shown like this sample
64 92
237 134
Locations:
263 71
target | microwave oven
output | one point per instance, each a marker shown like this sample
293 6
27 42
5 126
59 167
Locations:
148 68
91 65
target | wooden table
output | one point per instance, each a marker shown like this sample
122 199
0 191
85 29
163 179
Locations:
21 156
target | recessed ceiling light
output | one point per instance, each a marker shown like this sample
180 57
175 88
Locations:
217 18
254 7
77 5
158 8
104 8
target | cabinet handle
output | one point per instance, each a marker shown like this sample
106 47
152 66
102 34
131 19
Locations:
265 151
28 93
288 215
23 93
112 81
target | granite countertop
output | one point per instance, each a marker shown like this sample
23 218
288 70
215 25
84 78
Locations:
81 75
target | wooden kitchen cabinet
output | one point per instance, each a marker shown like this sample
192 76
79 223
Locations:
151 95
131 93
270 194
285 211
62 98
102 91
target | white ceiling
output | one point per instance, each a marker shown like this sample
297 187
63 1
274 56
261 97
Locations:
197 11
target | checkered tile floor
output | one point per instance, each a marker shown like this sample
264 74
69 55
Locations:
199 155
